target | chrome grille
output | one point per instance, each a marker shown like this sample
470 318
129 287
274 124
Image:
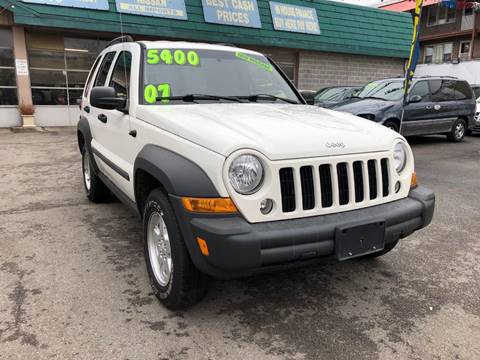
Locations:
338 184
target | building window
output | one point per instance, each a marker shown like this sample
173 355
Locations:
464 50
439 15
59 67
8 82
438 53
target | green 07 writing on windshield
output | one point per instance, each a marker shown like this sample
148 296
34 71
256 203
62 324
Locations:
169 57
152 92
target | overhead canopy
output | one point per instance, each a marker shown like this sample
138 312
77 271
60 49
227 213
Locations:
406 5
343 27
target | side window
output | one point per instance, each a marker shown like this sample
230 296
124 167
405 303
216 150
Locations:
90 76
442 90
462 90
104 68
421 89
121 74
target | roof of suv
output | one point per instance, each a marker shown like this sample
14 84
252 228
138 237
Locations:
194 45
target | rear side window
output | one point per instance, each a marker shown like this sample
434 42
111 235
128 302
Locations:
121 74
450 90
442 90
463 91
421 89
90 76
104 68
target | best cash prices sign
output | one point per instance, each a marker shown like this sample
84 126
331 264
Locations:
232 12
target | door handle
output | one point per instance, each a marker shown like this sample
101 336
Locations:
87 109
103 118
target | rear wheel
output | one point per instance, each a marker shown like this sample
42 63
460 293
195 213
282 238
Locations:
175 280
392 125
95 188
459 129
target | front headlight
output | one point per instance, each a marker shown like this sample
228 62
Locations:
246 174
400 156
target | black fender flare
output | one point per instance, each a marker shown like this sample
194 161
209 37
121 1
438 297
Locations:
83 127
178 175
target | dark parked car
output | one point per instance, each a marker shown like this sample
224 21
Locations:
334 95
435 105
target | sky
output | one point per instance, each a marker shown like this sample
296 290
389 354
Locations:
360 2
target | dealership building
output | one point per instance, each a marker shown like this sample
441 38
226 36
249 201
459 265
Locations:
48 46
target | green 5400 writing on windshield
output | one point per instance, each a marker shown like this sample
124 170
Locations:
169 57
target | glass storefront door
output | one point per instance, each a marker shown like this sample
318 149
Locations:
59 66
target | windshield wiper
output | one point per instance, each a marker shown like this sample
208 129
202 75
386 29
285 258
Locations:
257 97
368 97
194 97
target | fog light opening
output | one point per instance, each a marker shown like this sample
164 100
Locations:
398 186
266 206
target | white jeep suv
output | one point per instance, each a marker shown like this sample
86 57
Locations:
231 172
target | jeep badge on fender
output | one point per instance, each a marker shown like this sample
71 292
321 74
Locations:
231 172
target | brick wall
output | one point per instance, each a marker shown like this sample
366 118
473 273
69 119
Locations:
317 70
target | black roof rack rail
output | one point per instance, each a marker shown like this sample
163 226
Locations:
435 76
121 39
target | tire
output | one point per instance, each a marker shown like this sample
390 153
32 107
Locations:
459 129
96 190
392 125
174 279
388 247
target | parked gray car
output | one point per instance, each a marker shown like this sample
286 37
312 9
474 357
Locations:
435 105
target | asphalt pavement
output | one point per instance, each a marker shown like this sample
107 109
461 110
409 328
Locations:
73 283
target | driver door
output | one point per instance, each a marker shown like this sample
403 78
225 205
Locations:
418 116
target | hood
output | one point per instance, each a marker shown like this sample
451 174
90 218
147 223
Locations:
279 131
365 106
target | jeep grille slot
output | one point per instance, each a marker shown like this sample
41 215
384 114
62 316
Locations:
287 186
323 187
372 179
385 180
342 174
358 179
326 186
308 190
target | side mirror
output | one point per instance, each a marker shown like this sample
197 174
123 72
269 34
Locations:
414 99
309 96
104 97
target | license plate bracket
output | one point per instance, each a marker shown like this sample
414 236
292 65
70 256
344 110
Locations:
352 241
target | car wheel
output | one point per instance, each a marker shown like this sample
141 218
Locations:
459 129
392 125
96 190
175 280
388 247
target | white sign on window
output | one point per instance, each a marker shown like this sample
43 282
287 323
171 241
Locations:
22 67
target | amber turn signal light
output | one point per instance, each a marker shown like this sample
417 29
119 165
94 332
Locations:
210 205
202 244
413 183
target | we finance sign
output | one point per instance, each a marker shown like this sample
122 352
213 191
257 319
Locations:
232 12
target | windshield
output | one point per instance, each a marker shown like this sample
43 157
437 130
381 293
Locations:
180 72
386 90
332 94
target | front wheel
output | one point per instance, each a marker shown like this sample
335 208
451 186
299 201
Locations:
175 280
459 129
392 126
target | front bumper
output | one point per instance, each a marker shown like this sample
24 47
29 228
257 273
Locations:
476 123
238 248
